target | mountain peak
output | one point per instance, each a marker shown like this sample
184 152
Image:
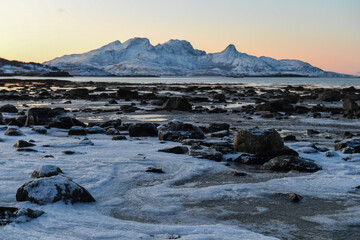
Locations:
111 45
230 48
136 41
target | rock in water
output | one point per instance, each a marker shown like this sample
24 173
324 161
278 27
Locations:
255 141
177 103
176 130
288 163
46 171
18 215
143 130
53 189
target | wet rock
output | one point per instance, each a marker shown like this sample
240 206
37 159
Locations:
330 95
13 131
176 150
176 130
293 197
216 127
52 189
22 144
79 93
351 146
8 108
43 116
143 130
40 129
154 170
125 93
46 171
205 152
351 109
95 130
289 163
112 123
177 103
281 105
118 137
255 140
17 215
77 130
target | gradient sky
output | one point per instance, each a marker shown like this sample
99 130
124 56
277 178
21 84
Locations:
325 33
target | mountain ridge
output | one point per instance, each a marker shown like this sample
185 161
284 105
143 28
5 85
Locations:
137 56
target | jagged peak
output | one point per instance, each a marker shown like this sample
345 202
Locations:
231 48
111 45
136 41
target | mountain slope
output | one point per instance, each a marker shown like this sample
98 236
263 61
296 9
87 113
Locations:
16 68
177 58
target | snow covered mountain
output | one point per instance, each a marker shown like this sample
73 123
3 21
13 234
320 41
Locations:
137 57
16 68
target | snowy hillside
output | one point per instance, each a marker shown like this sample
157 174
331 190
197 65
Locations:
16 68
177 58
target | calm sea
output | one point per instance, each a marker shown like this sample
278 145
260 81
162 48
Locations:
330 82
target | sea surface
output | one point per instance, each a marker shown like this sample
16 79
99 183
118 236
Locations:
329 82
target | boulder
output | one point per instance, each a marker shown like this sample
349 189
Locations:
351 109
52 189
125 93
352 146
40 129
143 130
46 171
177 103
79 93
13 131
176 130
111 123
17 215
216 127
255 141
66 122
330 95
8 108
280 105
176 150
22 143
43 116
77 130
288 163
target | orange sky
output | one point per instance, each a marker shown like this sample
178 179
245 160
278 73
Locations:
325 33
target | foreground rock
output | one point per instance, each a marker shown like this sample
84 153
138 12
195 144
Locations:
8 108
77 130
348 146
18 215
289 163
205 152
53 189
255 141
13 131
143 130
176 130
177 103
22 143
351 109
46 171
176 150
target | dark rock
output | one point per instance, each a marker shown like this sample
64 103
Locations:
43 116
220 134
66 122
176 130
281 105
112 123
154 170
301 109
176 150
26 150
77 130
129 108
351 109
118 137
312 132
95 130
205 152
348 146
8 108
290 138
40 130
316 115
124 93
68 152
143 130
112 131
79 93
18 215
330 95
1 119
46 171
22 143
53 189
177 103
237 174
255 140
11 131
216 127
293 197
113 101
289 163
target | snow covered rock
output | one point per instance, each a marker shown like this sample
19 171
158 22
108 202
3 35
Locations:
13 131
143 130
22 143
86 141
18 215
8 108
177 103
255 140
289 163
177 130
95 130
46 171
52 189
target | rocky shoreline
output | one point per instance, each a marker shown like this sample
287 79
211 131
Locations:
258 134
